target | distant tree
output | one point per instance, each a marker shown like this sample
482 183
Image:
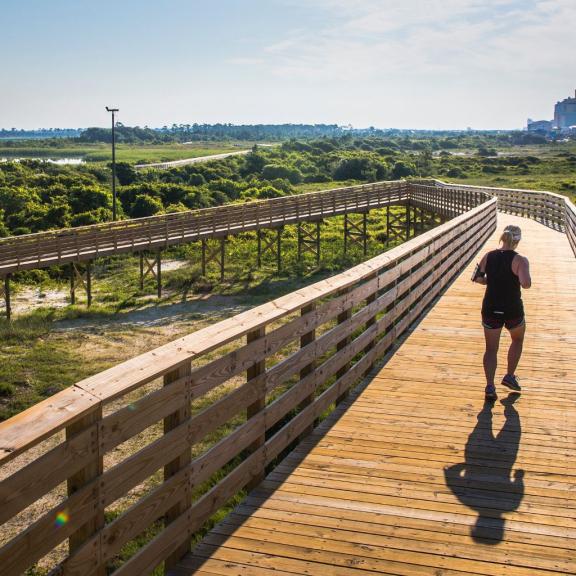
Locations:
485 151
94 217
403 169
125 173
269 192
84 198
254 162
58 214
273 171
196 180
145 205
176 207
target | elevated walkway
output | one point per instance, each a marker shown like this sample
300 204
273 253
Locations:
414 474
408 473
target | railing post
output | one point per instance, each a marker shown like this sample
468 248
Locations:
372 320
183 461
305 340
343 317
255 373
86 475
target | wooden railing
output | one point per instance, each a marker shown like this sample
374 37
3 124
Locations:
570 223
553 210
545 207
207 415
88 242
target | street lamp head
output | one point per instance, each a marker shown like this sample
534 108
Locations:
112 109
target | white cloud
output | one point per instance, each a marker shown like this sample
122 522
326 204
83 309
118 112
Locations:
377 37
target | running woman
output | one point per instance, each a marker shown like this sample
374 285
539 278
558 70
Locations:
503 271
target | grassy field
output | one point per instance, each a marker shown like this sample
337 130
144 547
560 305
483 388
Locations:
125 152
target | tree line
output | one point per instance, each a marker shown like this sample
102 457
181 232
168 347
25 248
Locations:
36 196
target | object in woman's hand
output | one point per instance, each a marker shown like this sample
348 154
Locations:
477 273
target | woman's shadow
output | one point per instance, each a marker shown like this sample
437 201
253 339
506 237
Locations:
484 481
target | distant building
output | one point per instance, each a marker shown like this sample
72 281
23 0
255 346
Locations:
540 125
565 114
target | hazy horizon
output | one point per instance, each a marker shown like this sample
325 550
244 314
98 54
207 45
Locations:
415 65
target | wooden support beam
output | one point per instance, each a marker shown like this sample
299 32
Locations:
214 253
204 242
396 225
81 278
279 248
309 234
5 293
151 267
141 270
89 283
254 376
356 231
408 221
72 284
270 241
159 273
222 256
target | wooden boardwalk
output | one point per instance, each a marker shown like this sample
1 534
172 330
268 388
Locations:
413 474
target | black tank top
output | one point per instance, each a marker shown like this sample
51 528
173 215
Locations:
502 298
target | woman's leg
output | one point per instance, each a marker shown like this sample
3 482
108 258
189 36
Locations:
515 350
492 336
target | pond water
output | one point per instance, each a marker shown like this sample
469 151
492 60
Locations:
49 160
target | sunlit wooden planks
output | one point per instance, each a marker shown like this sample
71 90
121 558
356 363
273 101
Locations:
371 491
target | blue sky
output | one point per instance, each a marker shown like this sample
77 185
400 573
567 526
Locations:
387 63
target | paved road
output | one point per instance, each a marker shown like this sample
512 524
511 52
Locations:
176 163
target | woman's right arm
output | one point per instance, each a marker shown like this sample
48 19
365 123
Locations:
523 271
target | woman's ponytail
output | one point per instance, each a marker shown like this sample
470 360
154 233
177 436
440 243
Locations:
511 235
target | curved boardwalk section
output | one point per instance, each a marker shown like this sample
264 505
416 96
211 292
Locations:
414 474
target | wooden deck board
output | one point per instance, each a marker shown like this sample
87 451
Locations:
414 474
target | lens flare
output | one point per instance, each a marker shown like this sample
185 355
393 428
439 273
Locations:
62 518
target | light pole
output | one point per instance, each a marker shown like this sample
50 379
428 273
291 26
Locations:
113 110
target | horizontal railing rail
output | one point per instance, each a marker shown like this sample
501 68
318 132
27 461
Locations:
545 207
158 444
553 210
83 243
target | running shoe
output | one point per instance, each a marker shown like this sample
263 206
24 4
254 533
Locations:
511 381
490 393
